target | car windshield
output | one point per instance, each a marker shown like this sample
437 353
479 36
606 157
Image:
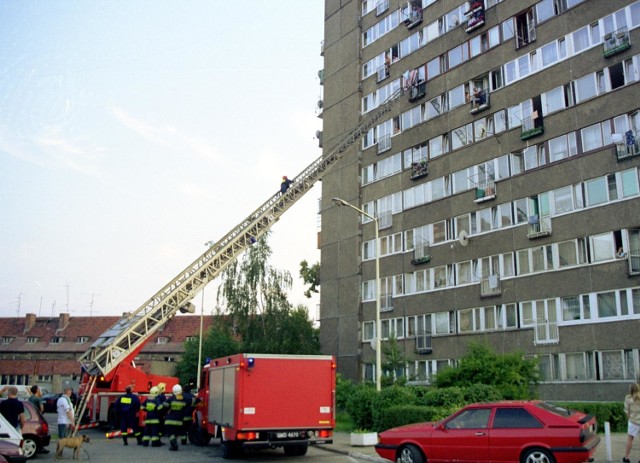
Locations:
557 409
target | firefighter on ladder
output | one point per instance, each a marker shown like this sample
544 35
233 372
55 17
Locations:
153 406
174 420
127 406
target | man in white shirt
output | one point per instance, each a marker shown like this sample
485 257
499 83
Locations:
65 412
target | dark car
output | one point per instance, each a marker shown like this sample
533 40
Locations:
11 452
49 402
35 433
509 431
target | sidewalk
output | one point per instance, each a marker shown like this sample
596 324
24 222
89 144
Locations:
342 444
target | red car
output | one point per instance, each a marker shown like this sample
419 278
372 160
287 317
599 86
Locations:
509 431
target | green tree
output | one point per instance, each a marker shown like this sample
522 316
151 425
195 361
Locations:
514 375
311 276
254 297
394 361
217 341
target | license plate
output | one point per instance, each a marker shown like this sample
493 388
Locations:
285 435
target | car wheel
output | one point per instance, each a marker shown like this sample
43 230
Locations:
410 454
538 456
29 447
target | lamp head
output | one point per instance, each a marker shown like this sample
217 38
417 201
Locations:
339 202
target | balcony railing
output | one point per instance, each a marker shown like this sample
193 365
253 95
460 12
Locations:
546 333
385 220
417 91
615 42
412 14
531 127
490 286
626 151
423 342
384 143
475 15
479 100
538 227
419 169
421 253
485 191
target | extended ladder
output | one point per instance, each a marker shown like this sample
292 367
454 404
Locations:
133 329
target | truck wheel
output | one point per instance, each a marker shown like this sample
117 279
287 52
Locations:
230 450
296 450
199 436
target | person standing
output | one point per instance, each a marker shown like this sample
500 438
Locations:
65 412
632 409
12 409
153 408
36 398
175 417
190 401
127 406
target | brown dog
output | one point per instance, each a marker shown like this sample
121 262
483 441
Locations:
74 443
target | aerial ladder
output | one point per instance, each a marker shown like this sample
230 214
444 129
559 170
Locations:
128 335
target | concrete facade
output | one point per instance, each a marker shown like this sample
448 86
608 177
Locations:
532 186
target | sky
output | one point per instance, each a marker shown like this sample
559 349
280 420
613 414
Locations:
132 132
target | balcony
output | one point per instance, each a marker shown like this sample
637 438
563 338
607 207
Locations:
490 286
421 253
423 342
626 145
615 42
419 169
412 14
475 15
485 191
531 127
417 91
381 7
384 143
480 100
538 227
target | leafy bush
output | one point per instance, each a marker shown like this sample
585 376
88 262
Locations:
360 405
399 415
389 397
481 393
444 397
344 389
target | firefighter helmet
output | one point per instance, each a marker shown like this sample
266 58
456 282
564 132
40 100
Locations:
177 389
154 390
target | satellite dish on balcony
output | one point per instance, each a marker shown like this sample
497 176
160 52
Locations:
463 238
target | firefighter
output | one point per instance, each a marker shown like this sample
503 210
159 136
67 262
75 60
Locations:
127 406
187 420
175 417
162 400
153 406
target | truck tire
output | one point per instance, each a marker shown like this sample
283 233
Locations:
230 450
199 436
296 450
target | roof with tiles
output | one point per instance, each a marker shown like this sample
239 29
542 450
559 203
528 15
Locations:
33 334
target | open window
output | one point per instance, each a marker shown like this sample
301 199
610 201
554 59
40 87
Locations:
412 14
525 28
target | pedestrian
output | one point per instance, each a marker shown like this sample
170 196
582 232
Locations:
127 406
153 408
285 184
36 398
187 420
632 409
65 412
12 409
175 417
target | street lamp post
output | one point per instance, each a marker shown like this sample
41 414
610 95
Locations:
342 202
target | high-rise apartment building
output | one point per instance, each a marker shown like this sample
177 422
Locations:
504 183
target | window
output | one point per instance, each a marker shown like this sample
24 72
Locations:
7 339
591 137
162 340
82 339
586 88
579 366
606 304
580 40
514 418
525 28
596 191
617 364
190 338
477 418
570 308
32 339
602 247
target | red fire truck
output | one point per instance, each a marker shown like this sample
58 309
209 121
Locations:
266 401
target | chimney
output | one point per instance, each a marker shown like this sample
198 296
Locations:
29 322
63 321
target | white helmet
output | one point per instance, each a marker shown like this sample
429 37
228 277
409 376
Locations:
177 389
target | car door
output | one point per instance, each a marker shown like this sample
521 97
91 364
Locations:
462 438
513 429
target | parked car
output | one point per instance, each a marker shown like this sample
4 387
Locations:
35 433
11 453
509 431
49 402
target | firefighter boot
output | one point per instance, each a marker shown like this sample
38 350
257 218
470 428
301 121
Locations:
173 444
139 439
124 439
